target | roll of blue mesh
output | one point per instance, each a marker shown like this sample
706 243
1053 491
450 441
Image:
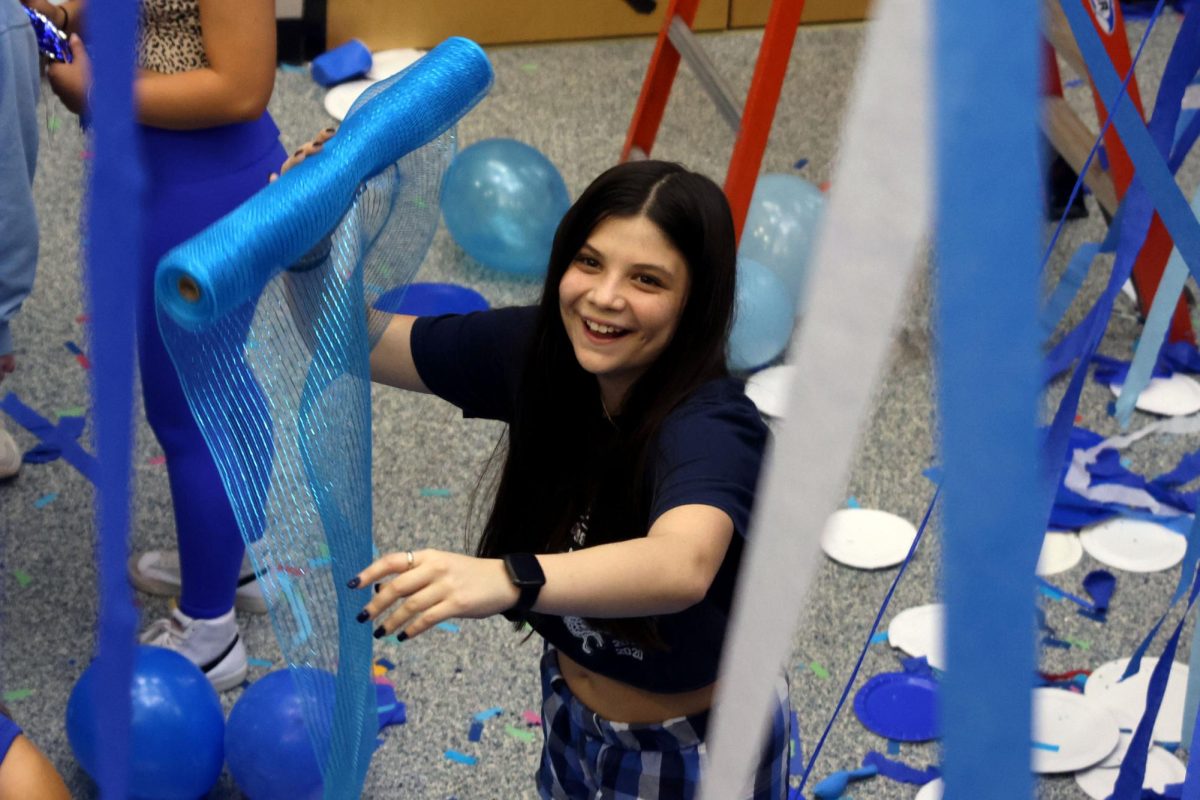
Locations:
265 316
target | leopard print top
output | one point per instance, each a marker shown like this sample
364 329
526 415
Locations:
169 37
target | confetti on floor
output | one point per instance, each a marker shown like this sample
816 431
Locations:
17 694
156 461
476 731
23 578
461 758
484 716
435 492
529 67
531 717
259 662
819 671
45 500
880 638
449 627
517 733
800 164
73 411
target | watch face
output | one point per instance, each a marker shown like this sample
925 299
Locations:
524 569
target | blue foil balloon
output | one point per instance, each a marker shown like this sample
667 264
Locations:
267 745
177 730
781 226
502 200
763 317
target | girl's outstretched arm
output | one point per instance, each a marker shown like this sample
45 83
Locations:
668 570
392 359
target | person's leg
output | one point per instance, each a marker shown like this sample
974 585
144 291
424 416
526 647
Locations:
184 200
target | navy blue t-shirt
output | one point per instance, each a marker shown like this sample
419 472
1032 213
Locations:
709 452
9 731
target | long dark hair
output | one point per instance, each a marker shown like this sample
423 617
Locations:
564 458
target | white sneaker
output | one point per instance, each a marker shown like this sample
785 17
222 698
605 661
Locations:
157 572
213 645
10 455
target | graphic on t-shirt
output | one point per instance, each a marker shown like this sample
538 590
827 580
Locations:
591 638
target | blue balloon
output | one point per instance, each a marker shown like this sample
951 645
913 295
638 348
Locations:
781 226
502 201
763 317
177 731
267 745
431 299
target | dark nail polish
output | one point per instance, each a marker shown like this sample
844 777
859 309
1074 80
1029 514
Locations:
330 130
401 637
353 583
379 632
363 616
298 152
378 588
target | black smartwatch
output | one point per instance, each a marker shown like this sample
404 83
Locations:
526 574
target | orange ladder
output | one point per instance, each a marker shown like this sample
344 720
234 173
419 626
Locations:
752 124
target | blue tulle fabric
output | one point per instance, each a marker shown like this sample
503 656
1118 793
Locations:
265 316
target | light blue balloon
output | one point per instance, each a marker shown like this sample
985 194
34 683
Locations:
502 201
763 317
781 226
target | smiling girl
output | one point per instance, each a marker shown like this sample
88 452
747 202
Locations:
625 493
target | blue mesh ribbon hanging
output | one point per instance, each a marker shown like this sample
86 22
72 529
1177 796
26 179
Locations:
265 316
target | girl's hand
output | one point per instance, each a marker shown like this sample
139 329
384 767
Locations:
307 149
71 81
433 586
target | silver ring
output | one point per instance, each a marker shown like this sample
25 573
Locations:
409 555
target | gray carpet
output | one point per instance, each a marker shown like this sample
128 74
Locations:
573 102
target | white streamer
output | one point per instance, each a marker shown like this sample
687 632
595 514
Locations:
878 216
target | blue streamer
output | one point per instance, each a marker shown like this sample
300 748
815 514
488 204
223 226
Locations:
1144 151
115 231
61 436
870 636
1133 768
987 101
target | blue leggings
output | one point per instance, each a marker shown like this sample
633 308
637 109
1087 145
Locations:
194 179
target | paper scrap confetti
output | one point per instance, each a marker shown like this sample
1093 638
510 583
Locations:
53 124
1082 644
800 164
156 461
82 318
531 717
484 716
517 733
447 626
22 577
1049 748
529 67
819 671
852 502
17 694
73 411
461 758
79 355
435 493
476 731
880 638
45 500
893 747
259 662
1071 84
383 662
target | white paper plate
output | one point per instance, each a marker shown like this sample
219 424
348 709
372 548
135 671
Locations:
932 790
1117 756
339 99
918 631
1161 768
387 63
1176 396
1060 552
1127 699
1133 545
866 538
768 389
1082 728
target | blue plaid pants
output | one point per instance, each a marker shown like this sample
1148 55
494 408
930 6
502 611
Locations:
586 757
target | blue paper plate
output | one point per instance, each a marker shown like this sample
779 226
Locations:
900 706
431 299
